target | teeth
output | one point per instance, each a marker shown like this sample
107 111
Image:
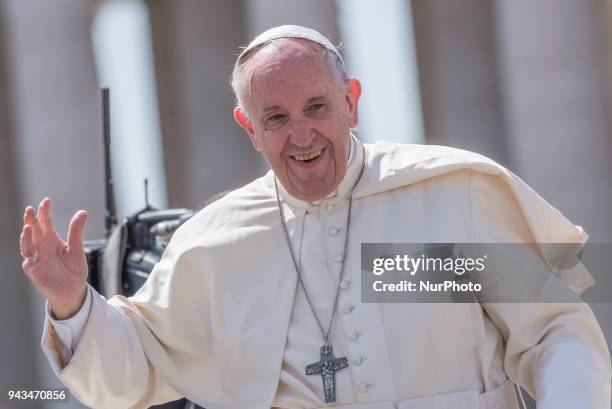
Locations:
309 156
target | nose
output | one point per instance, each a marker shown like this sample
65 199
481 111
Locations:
301 133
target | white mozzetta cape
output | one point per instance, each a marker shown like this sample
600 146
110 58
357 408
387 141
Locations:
220 319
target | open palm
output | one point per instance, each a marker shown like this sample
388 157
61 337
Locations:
56 267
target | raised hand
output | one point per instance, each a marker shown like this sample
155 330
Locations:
57 268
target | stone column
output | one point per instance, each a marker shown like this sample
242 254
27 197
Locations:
380 51
459 75
608 43
320 15
556 104
195 43
556 98
54 148
19 336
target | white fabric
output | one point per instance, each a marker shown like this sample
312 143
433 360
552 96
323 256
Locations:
553 364
220 319
68 331
351 150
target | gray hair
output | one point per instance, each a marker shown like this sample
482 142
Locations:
238 79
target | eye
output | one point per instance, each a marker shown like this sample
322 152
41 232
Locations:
275 121
318 107
276 118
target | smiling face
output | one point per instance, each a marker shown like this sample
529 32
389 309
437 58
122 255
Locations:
298 112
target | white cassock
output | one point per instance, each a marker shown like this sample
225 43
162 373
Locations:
222 321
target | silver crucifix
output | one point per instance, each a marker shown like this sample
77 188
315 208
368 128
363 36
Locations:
327 368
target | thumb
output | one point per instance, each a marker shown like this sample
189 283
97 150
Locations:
76 231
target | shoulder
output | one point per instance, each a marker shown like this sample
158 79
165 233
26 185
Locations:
246 208
394 165
497 195
399 155
422 161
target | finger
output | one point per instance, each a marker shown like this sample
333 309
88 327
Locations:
76 231
26 244
44 215
29 218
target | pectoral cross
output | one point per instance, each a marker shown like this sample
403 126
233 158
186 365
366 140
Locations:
327 368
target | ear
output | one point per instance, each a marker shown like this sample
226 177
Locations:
353 92
243 120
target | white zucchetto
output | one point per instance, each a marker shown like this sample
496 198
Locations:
290 31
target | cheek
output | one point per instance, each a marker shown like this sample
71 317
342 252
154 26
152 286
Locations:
273 144
330 125
341 116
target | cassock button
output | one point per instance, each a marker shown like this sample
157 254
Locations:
345 284
333 231
338 258
353 336
347 309
357 360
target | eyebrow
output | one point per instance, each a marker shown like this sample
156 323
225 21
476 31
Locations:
317 100
310 101
272 108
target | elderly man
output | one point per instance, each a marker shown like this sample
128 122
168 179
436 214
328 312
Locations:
256 302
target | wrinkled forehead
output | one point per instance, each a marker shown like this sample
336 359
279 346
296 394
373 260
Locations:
284 52
288 65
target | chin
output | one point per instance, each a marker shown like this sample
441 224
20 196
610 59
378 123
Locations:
311 194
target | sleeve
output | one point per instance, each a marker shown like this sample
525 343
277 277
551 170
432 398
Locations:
136 352
556 351
68 332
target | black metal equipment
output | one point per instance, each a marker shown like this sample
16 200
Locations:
121 262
